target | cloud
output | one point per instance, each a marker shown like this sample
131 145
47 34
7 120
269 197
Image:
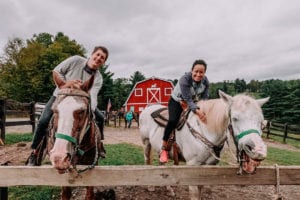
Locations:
238 39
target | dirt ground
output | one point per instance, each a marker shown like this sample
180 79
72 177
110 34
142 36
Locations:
16 154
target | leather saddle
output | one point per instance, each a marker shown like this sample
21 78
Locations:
161 117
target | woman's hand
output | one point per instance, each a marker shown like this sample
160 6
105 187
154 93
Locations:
184 105
201 115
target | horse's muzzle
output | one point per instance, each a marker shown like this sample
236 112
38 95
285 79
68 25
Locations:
60 161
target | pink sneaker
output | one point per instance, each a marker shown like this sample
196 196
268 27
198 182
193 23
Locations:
163 157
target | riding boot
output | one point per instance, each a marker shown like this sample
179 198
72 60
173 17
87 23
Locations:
163 156
102 152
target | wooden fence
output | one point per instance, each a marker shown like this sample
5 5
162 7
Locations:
288 131
31 111
148 175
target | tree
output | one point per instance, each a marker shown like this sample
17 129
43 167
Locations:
27 68
136 77
106 91
240 85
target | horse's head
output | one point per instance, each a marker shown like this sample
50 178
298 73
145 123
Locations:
71 113
246 120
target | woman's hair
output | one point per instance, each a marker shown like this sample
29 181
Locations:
199 62
104 49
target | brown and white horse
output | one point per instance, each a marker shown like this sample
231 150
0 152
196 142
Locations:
74 137
200 143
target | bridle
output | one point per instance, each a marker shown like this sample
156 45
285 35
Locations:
76 141
239 153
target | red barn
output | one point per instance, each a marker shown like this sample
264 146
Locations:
150 91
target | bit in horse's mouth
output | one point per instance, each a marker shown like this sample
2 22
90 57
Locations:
249 165
62 171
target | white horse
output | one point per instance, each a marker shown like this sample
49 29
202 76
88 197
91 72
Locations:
198 141
200 144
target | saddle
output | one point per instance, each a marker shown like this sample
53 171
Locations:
161 117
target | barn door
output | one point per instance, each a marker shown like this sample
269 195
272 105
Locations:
153 95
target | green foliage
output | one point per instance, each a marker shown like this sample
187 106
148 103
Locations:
33 192
26 68
136 77
106 91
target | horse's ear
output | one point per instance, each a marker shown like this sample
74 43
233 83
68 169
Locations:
57 80
87 85
227 98
261 102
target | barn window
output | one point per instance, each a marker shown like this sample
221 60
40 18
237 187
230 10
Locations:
138 92
168 91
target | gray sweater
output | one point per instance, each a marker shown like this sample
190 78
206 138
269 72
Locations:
190 91
73 69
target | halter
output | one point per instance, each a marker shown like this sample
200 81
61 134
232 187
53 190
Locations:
76 141
236 139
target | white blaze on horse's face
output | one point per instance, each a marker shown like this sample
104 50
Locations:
246 121
60 154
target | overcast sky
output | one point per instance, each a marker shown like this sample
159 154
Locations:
245 39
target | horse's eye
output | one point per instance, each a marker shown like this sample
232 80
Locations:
234 119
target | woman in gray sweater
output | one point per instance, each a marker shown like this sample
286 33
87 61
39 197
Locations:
191 87
74 71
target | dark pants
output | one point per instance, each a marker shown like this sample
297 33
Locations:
42 126
175 111
129 123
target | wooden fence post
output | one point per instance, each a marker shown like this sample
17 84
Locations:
2 118
3 190
32 115
268 128
285 132
3 193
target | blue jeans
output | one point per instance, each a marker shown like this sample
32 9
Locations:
42 126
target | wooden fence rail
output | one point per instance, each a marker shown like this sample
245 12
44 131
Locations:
149 175
31 110
288 131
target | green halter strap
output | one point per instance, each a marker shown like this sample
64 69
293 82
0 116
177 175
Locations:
247 132
70 139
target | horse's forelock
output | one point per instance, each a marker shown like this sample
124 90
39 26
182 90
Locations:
243 102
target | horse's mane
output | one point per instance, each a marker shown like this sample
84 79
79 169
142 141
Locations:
216 111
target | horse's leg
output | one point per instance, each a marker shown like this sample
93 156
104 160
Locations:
90 195
195 192
66 193
147 152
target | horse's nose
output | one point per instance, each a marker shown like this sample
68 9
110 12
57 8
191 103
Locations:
60 161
